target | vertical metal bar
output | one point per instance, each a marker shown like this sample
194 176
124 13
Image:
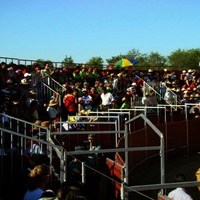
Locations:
187 128
126 169
162 160
82 172
122 191
117 128
122 185
62 167
65 166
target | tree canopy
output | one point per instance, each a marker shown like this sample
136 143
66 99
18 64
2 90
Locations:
179 59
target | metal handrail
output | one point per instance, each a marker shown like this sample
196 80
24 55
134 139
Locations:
24 61
62 154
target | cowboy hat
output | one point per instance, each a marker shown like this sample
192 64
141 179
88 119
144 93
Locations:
52 103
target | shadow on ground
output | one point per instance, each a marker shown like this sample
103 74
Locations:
150 174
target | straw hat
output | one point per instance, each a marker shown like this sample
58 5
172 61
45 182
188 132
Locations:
24 81
32 92
37 124
123 99
45 123
52 103
16 102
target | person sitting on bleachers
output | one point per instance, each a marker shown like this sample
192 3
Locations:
37 181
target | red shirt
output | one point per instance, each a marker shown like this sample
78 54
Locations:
70 103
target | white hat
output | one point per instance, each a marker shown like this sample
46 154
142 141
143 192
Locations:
84 90
27 74
10 68
133 84
9 81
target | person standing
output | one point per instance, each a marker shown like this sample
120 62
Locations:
70 104
86 101
53 113
107 100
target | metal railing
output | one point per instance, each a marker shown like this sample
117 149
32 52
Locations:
21 128
160 92
20 61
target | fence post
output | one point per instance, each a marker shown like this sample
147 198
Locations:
83 172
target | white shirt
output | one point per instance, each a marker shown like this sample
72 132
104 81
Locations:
107 98
35 149
179 194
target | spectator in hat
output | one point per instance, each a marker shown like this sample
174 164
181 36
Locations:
28 78
125 104
52 109
55 97
86 100
53 112
31 96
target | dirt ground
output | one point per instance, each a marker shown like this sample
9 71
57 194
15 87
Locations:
150 174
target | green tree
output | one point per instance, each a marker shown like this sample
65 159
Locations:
68 62
133 54
178 58
194 58
185 59
156 60
96 62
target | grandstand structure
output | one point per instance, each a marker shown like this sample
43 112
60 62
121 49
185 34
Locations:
129 140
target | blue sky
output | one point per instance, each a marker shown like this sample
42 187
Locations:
82 29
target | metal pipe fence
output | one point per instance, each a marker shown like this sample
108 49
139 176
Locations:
22 129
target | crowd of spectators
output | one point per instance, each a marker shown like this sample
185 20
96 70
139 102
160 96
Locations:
86 89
